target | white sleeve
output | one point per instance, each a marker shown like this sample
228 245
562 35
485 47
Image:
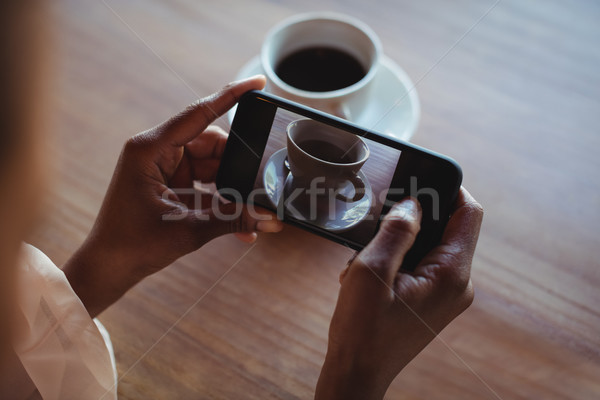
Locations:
58 343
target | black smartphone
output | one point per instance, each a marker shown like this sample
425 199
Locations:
332 177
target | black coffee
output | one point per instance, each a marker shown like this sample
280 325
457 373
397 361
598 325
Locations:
326 151
320 69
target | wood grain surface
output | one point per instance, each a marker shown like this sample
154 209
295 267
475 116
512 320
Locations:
508 88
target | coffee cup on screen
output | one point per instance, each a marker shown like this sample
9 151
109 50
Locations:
332 155
324 60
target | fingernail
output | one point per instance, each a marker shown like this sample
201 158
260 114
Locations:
408 208
272 225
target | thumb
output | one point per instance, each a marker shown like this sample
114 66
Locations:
235 217
188 124
396 235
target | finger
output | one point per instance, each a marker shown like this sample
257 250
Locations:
246 237
205 170
345 270
455 252
204 153
465 223
184 127
210 144
397 233
343 274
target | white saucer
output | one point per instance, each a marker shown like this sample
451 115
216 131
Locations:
394 109
276 177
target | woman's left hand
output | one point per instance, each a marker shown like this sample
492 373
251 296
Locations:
151 214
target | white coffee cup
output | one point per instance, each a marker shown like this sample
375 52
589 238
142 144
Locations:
323 30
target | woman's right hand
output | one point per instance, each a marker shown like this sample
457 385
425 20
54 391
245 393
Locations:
385 316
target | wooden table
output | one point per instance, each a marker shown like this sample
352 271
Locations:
508 88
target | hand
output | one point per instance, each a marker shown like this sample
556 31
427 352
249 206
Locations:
145 223
385 316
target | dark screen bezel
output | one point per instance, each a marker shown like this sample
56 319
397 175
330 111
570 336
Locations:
249 133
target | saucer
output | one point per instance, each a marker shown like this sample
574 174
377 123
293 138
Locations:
393 110
277 181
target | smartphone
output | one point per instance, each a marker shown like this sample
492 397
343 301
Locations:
332 177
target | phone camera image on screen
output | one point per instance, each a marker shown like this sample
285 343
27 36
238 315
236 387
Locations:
331 177
324 176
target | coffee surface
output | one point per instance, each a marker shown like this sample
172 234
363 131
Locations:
320 69
326 151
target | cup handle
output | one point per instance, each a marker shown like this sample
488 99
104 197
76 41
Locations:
359 190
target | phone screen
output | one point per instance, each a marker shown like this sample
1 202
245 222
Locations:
346 201
330 206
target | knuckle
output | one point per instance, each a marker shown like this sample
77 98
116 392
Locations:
455 293
371 265
450 276
133 142
461 300
136 144
204 111
228 89
199 104
231 94
199 108
227 93
468 296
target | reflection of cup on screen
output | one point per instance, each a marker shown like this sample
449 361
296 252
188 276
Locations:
316 150
324 60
